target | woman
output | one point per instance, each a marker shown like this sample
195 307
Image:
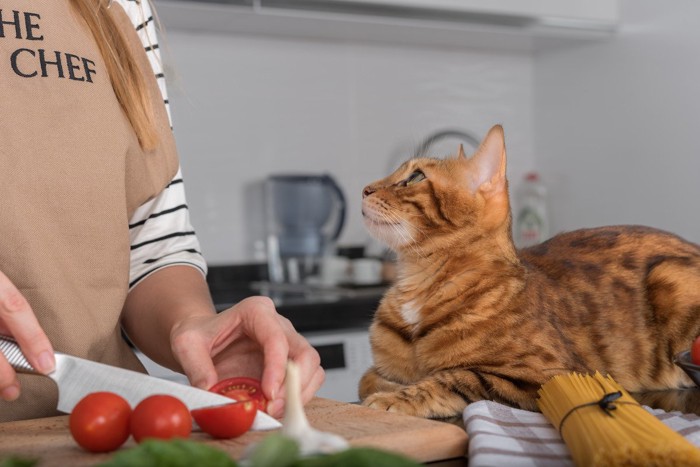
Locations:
95 233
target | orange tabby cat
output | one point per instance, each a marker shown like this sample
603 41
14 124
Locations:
471 318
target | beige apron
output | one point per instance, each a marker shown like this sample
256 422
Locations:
71 175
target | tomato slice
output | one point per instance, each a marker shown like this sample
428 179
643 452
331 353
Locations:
236 388
226 421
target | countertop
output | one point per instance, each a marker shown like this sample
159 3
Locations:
424 440
308 307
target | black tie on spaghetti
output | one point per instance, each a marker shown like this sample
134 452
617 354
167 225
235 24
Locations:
606 404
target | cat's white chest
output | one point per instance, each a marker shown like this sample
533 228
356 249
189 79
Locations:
410 312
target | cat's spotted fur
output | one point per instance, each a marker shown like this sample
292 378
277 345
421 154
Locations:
471 318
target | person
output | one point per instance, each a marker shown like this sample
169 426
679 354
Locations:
96 237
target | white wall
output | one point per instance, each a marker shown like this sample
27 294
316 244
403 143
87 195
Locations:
247 106
617 123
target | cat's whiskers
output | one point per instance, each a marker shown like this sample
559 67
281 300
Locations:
394 221
425 237
398 224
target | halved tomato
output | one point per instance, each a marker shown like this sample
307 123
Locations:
237 388
226 421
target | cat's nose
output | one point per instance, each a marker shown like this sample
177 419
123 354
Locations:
368 190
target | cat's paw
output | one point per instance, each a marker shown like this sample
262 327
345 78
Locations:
392 402
372 382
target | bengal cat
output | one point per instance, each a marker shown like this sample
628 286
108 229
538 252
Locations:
469 317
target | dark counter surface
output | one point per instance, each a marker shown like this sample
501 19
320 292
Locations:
309 308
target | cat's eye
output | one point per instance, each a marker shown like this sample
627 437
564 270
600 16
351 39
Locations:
415 177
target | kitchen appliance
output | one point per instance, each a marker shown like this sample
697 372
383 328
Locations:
305 215
77 377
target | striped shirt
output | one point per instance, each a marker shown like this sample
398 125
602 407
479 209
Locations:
160 230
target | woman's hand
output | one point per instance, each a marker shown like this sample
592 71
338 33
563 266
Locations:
249 339
18 321
170 317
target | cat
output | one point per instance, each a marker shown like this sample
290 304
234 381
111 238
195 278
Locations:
471 318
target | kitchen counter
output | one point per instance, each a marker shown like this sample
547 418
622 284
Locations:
424 440
309 308
432 442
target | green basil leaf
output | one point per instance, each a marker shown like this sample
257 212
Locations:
171 453
275 450
15 461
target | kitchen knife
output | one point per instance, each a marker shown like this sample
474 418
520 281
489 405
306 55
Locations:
77 377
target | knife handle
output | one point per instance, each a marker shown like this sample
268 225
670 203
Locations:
14 355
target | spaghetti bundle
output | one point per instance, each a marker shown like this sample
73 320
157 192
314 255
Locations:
604 426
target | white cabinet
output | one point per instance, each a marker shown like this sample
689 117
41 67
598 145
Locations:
494 24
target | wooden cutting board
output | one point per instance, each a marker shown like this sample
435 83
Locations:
48 439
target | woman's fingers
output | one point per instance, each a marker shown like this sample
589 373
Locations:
192 349
312 384
9 385
262 324
18 320
309 363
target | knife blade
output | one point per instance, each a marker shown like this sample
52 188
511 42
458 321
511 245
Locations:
77 377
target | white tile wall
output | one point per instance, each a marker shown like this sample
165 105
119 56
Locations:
247 106
617 123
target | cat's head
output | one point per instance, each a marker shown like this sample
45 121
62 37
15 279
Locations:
429 202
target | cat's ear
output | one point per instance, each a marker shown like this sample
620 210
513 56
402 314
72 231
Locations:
460 153
487 172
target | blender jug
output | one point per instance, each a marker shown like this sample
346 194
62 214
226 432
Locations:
305 216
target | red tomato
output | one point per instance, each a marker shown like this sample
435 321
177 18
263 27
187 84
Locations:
240 395
226 421
100 421
232 386
695 351
161 416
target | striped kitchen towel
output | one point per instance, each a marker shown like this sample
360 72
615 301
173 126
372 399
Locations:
501 435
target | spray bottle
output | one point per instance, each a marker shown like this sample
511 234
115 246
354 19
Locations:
531 223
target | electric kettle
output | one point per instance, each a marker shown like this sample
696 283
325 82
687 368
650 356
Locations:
305 216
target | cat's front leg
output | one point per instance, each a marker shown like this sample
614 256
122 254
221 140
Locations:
443 394
372 382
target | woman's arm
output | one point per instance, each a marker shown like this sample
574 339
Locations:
169 315
157 303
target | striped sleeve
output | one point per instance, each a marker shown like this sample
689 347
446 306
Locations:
160 230
161 234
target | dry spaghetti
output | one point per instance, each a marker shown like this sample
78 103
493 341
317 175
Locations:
604 426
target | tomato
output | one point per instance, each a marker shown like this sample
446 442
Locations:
237 386
695 351
226 421
161 416
100 421
240 395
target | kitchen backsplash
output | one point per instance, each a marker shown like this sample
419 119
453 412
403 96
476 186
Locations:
247 106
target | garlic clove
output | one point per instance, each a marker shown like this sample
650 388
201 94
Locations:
296 426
